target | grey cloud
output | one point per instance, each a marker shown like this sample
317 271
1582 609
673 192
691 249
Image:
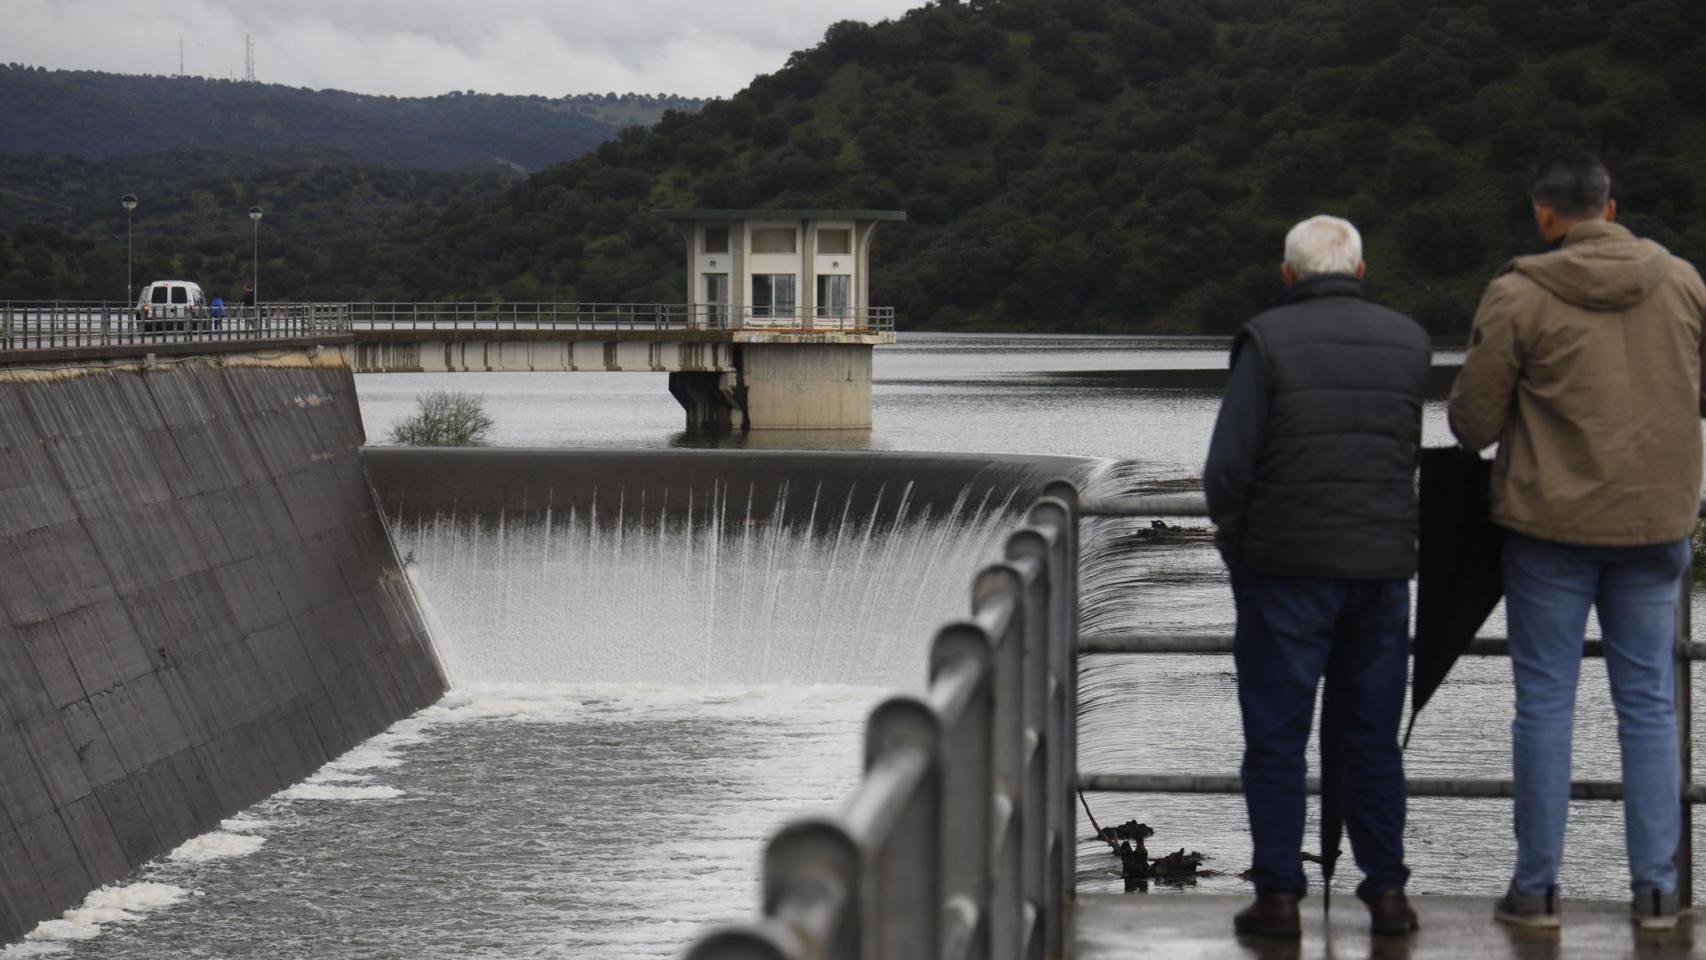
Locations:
424 47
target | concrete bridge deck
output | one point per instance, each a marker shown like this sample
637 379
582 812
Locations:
1189 926
745 369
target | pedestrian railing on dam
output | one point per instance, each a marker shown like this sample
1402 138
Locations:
959 841
593 317
67 325
51 325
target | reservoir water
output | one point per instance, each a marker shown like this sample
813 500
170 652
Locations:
642 695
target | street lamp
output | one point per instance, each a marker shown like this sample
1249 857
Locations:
129 203
255 215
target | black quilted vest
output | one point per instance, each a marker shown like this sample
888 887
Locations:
1334 492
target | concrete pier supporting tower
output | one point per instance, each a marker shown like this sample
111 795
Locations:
805 386
781 386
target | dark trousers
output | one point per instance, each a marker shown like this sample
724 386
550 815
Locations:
1291 632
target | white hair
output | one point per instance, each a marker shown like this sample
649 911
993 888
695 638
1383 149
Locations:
1323 245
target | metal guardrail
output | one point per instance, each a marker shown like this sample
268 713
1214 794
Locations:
473 316
59 325
960 842
28 326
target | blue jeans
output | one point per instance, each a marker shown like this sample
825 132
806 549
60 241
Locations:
1291 632
1548 588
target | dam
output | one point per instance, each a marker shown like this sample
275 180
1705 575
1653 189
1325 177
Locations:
202 606
658 657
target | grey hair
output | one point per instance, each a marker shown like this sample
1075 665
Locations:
1323 245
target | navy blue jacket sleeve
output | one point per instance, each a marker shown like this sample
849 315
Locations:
1235 447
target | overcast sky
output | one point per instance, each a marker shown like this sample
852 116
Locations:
424 47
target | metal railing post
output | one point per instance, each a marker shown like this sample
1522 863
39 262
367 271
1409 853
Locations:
968 788
1685 735
813 871
902 745
1015 820
1063 660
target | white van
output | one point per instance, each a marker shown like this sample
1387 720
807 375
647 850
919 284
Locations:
172 305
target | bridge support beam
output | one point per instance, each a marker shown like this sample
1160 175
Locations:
781 386
708 398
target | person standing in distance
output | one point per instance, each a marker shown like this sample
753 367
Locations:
1311 483
1584 367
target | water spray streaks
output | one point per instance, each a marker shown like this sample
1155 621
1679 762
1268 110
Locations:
799 595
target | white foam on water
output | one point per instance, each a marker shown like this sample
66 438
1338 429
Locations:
217 845
328 791
565 703
38 948
107 906
244 823
329 774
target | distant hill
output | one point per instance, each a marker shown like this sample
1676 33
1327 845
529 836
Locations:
619 110
103 115
350 184
1134 164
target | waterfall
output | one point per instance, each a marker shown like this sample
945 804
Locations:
724 588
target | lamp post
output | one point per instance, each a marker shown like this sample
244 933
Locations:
255 215
129 203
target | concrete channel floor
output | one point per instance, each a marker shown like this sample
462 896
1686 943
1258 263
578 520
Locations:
1199 927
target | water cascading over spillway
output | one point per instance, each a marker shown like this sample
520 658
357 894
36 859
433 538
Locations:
722 590
718 582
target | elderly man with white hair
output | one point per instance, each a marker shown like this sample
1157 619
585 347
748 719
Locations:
1311 483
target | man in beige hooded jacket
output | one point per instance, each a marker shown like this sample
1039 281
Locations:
1584 366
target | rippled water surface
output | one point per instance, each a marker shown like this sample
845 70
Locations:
637 706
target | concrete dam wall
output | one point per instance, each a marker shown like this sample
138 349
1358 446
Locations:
487 484
199 605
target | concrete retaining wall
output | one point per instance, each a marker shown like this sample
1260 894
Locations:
198 606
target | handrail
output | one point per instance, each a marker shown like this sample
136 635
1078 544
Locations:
1686 651
959 841
596 316
60 325
31 326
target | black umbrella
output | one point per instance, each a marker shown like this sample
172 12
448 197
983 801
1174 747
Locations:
1458 580
1332 794
1458 585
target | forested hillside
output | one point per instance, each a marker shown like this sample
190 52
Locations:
1133 164
327 233
103 115
1115 165
349 184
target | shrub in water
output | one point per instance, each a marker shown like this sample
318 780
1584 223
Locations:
444 419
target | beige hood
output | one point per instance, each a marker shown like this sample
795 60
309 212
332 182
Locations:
1601 267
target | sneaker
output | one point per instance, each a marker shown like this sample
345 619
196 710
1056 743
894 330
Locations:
1390 915
1273 916
1655 910
1528 909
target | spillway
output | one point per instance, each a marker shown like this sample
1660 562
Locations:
696 567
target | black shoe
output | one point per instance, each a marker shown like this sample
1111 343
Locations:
1653 909
1539 910
1273 916
1390 915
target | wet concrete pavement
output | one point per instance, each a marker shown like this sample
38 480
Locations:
1199 927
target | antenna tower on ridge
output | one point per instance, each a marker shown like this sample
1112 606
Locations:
248 58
